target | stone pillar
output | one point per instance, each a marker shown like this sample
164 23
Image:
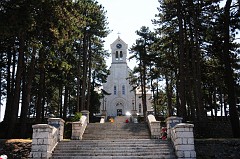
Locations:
44 140
183 140
104 113
154 127
102 120
150 112
134 116
59 124
171 122
76 131
86 113
78 128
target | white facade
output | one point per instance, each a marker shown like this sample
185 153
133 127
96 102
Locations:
122 100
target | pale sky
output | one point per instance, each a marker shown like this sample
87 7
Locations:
127 16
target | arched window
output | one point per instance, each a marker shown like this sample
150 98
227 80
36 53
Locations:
121 55
140 108
116 56
123 90
115 90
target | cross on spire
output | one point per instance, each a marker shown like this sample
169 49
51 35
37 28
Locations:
118 33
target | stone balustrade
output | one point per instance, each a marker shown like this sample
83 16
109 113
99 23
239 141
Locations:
183 140
78 128
59 124
86 113
181 135
45 138
102 120
154 127
171 122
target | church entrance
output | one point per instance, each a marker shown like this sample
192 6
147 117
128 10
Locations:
119 112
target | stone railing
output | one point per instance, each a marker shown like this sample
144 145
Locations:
102 120
79 127
181 135
154 127
45 138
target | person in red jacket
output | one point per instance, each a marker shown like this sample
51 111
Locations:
164 133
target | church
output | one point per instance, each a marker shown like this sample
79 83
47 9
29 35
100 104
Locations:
121 98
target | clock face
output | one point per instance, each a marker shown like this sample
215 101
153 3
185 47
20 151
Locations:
119 46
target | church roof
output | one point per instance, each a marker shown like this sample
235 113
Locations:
118 40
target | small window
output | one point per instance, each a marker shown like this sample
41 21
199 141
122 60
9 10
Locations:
121 55
123 90
140 108
116 55
115 90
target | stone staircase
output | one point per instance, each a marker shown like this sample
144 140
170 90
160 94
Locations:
118 140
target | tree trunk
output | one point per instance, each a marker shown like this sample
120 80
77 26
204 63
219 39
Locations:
9 89
229 79
40 87
60 106
144 85
17 90
169 96
89 75
1 59
27 94
85 66
196 59
66 102
182 97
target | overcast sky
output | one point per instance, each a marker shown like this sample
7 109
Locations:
127 16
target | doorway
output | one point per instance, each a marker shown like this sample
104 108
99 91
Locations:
119 112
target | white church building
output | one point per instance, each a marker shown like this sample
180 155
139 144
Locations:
122 100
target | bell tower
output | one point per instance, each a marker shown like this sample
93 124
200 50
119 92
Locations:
121 100
119 51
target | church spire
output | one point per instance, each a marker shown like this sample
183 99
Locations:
119 51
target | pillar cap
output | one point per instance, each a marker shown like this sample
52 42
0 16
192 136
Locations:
41 126
85 111
174 118
56 119
184 125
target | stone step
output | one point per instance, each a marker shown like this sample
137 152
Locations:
113 154
104 149
117 126
115 149
118 141
97 131
112 146
107 137
117 157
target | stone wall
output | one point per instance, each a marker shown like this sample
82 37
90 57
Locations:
78 128
181 135
44 140
183 141
217 148
154 127
45 137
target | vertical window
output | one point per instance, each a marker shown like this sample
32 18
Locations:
116 55
123 90
115 90
140 108
121 55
